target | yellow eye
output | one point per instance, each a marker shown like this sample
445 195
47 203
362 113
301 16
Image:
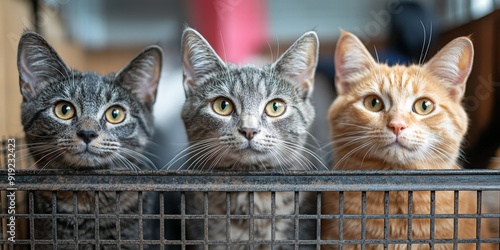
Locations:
423 106
115 114
373 103
222 106
64 110
275 108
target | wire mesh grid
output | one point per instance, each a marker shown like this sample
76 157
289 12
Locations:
162 218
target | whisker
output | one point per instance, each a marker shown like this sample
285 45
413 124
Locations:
49 162
420 60
139 157
187 151
301 148
353 151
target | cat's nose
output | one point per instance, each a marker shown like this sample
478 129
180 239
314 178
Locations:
87 135
397 127
248 126
249 133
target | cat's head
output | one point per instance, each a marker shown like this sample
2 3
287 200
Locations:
82 120
399 116
248 117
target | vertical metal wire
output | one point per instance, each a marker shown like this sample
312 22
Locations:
162 220
183 220
3 209
117 220
31 208
228 219
141 225
273 219
251 220
3 194
318 220
386 219
205 222
455 219
433 218
96 223
296 218
410 218
341 220
75 216
54 218
363 219
478 219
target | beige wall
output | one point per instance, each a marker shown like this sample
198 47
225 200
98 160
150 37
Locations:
13 18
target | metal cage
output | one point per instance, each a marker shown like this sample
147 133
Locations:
167 217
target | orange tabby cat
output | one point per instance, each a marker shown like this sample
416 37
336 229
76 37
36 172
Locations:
400 118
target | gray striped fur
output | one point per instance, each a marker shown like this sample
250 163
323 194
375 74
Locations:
217 142
54 143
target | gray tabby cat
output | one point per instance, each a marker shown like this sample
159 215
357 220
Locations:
247 118
83 121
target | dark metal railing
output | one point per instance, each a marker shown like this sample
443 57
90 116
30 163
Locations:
182 182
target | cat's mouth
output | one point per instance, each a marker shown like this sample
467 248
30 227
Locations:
251 151
88 150
252 147
85 158
397 144
87 153
90 154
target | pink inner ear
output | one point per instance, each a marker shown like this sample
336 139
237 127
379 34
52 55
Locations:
339 62
351 59
465 64
453 64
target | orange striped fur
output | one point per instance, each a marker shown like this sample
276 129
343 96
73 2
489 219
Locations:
398 137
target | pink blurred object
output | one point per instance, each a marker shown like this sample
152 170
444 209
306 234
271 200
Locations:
236 29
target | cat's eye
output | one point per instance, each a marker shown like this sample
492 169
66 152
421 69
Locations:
423 106
373 103
222 106
275 108
64 110
115 114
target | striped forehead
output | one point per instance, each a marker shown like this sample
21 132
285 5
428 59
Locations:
90 92
249 85
399 84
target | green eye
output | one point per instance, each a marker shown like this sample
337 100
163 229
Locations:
423 106
373 103
115 114
275 108
64 110
222 106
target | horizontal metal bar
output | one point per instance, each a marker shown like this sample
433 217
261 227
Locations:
255 216
245 242
415 180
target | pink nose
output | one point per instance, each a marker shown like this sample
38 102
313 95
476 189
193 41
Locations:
397 127
249 132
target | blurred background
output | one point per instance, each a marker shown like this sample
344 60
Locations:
102 36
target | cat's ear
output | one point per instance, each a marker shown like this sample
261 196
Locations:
142 75
38 64
352 60
198 59
452 66
299 62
